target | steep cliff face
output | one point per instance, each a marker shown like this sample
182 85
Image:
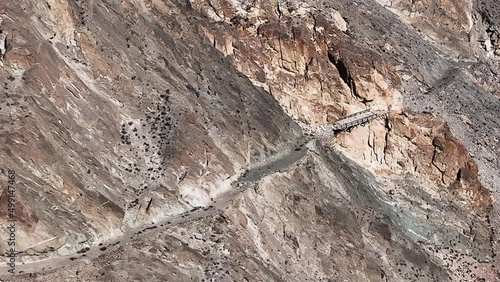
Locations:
318 73
302 57
448 23
103 114
311 221
163 140
456 25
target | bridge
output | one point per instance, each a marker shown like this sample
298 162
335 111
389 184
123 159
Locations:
360 118
346 123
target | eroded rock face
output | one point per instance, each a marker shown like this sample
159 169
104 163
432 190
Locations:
312 221
156 141
318 73
303 58
101 116
447 21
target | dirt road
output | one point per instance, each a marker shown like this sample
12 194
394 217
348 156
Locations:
245 180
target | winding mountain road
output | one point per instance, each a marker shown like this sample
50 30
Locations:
240 185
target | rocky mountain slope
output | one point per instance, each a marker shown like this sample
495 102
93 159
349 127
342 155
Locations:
169 140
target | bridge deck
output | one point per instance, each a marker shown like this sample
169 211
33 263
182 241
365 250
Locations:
355 119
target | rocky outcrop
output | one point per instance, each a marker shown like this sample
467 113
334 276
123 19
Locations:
488 22
303 58
159 140
447 23
318 73
95 133
262 235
